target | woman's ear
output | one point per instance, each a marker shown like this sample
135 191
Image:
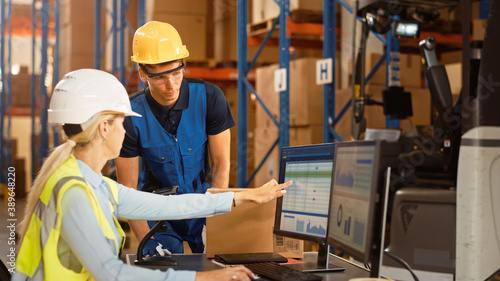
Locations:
104 128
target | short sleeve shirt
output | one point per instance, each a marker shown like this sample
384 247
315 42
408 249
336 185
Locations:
219 117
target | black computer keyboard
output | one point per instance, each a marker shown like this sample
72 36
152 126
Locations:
277 272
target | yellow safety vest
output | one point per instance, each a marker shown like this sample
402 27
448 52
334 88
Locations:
37 258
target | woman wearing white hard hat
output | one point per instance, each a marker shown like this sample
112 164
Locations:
70 230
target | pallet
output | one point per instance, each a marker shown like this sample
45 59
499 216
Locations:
296 16
306 16
261 28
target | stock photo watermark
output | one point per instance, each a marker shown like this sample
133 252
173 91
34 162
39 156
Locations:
11 219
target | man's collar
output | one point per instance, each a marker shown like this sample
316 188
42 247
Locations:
182 101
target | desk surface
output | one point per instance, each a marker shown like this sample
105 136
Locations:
199 262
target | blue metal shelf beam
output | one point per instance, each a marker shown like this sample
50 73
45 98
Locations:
44 98
55 77
484 9
284 46
34 98
242 46
244 86
40 96
329 51
392 70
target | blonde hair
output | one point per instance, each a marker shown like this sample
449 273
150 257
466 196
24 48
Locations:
57 157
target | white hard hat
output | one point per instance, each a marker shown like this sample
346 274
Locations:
83 93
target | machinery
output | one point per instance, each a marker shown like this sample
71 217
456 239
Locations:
378 17
478 188
468 152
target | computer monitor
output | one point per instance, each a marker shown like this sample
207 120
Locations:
302 212
356 216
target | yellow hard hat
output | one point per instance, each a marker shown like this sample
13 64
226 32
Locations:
157 42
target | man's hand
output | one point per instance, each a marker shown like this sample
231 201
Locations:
153 248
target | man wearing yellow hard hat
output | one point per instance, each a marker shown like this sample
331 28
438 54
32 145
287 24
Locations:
184 121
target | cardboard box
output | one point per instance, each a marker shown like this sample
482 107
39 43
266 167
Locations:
265 10
231 94
21 88
192 29
82 25
225 37
289 247
77 36
478 29
248 228
375 118
450 57
410 73
410 70
454 72
191 7
306 98
264 139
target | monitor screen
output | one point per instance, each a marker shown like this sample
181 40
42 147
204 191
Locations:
353 198
407 29
303 211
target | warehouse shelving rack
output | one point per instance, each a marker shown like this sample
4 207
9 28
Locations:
329 51
391 56
117 34
47 11
45 27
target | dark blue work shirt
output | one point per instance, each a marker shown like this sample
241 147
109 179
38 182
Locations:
219 117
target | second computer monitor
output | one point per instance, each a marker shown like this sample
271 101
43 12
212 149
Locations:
354 196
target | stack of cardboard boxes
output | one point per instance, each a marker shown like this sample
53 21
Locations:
77 36
190 18
305 114
264 10
411 78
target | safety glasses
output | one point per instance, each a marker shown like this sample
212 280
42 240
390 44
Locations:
162 77
151 75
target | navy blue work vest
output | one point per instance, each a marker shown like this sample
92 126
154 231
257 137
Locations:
175 160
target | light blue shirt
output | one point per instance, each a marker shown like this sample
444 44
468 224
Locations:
83 243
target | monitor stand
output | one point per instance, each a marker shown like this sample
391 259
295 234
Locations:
158 261
379 228
155 260
323 264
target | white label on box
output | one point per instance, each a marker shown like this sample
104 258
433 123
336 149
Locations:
324 71
280 80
